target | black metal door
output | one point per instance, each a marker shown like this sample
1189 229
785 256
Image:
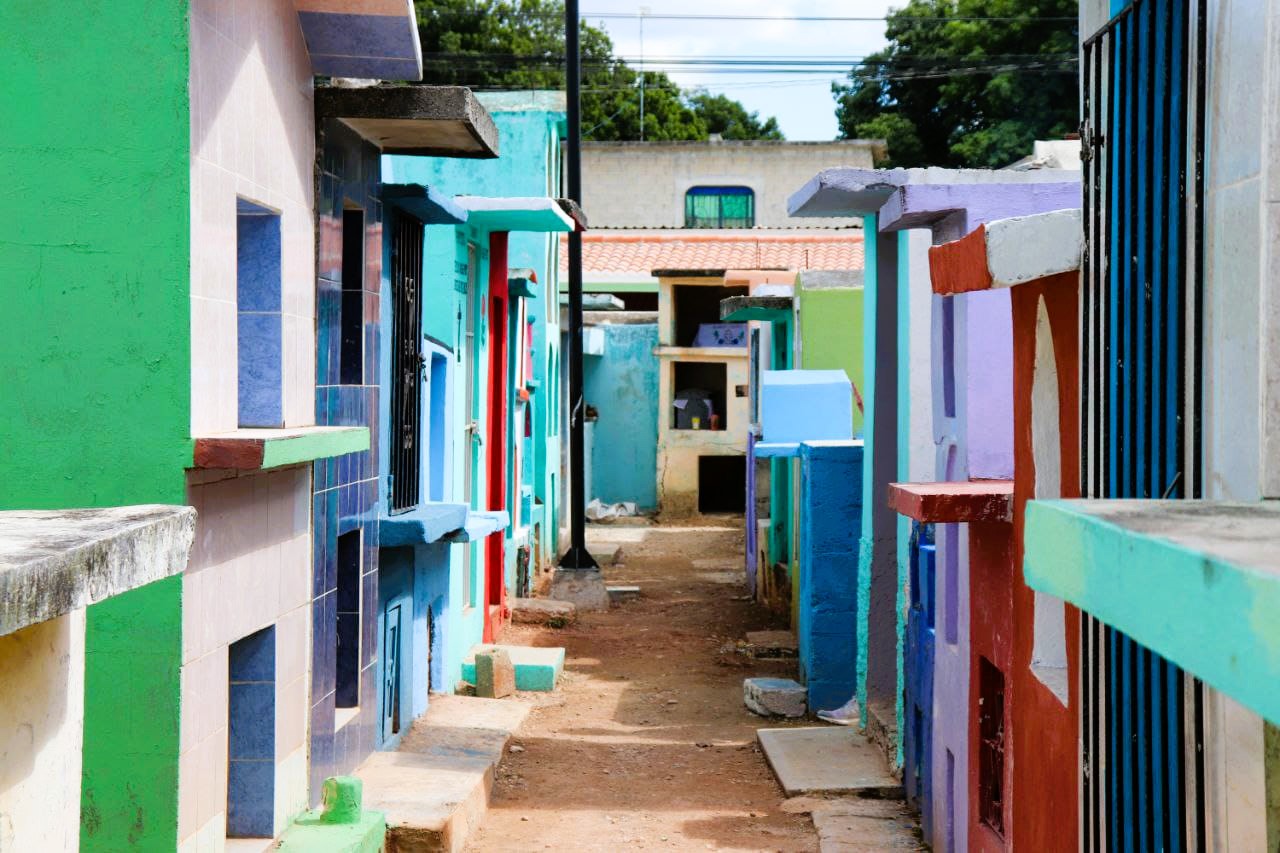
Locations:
406 361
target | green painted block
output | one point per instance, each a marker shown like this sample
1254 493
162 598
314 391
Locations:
312 834
537 669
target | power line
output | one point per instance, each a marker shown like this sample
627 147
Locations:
690 16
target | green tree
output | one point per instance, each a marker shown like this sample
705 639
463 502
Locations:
519 44
975 90
730 118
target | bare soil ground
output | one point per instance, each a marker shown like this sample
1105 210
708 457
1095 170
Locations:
647 743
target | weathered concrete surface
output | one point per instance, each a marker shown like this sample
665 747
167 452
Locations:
584 588
775 697
495 674
827 759
537 668
56 561
542 611
435 787
865 826
426 121
772 644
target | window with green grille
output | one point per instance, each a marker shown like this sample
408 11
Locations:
720 207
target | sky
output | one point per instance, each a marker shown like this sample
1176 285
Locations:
802 103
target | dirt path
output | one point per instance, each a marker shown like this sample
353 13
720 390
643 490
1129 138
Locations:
647 743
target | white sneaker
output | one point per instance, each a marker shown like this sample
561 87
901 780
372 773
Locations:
846 715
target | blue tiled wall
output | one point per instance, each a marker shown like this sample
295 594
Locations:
345 498
251 735
258 304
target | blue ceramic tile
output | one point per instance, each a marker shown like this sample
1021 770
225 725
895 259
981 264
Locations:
251 799
257 260
258 346
254 657
369 620
251 724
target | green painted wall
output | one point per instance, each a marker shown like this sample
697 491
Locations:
129 798
95 343
831 331
95 332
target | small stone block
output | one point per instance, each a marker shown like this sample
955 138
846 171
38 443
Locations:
495 674
623 593
540 611
775 697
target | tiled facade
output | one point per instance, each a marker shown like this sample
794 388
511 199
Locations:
251 142
346 487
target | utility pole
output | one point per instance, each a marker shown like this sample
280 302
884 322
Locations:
578 578
644 10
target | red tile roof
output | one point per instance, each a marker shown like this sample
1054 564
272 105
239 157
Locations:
629 252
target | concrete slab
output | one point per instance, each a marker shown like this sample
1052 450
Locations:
584 587
542 611
772 644
623 593
536 668
827 759
865 826
435 787
55 561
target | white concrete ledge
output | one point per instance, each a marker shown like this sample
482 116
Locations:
53 562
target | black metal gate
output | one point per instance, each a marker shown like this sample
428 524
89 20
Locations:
1142 773
407 361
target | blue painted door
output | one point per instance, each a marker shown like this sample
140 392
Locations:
918 668
392 638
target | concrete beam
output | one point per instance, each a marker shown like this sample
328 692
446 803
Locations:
950 503
1197 582
55 561
426 121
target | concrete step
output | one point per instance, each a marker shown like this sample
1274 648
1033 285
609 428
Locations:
857 825
827 760
536 668
882 729
434 788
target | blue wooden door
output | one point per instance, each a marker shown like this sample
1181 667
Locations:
918 743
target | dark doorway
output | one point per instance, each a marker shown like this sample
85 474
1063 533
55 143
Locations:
722 484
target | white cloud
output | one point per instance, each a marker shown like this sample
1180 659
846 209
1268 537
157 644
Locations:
802 103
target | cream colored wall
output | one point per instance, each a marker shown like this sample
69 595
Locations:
642 185
679 449
41 731
253 137
250 567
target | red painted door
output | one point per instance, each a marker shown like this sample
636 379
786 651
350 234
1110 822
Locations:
494 586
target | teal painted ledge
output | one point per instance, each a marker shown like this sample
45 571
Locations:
427 523
259 449
1195 581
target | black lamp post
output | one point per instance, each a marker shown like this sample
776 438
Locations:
577 557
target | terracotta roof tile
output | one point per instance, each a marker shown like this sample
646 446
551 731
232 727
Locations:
621 253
